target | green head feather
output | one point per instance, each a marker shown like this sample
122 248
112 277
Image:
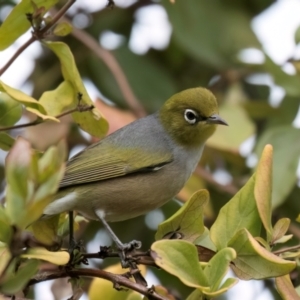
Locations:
190 117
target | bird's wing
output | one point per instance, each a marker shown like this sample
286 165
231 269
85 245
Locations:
105 162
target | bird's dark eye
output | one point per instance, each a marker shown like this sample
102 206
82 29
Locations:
191 116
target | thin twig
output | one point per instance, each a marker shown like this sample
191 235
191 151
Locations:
140 257
287 249
228 188
115 68
32 123
37 121
118 280
38 34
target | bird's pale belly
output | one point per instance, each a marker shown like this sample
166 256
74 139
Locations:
120 198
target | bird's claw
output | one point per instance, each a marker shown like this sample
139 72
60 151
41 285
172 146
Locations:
125 248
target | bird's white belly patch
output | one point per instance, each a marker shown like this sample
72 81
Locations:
65 203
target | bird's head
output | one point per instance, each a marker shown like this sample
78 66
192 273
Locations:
191 116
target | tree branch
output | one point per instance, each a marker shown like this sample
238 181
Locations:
116 279
115 68
229 188
287 249
79 108
38 34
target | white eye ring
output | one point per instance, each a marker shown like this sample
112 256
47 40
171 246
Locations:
190 116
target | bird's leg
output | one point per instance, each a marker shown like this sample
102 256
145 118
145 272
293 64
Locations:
72 242
123 248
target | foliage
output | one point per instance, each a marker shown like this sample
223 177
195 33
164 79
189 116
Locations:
240 225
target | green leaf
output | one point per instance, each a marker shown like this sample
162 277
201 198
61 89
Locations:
6 141
289 82
255 262
90 121
263 189
205 240
16 22
10 110
14 283
240 212
17 173
30 103
62 29
195 22
58 258
61 99
103 289
5 256
196 295
285 288
280 229
188 220
45 230
217 268
180 258
6 230
285 159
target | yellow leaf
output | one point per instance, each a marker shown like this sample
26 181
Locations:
59 258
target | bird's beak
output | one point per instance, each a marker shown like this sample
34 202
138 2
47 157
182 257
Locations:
216 119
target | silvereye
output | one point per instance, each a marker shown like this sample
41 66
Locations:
142 165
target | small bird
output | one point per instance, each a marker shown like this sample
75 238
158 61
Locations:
141 166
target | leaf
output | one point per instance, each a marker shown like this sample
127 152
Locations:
59 258
285 159
240 212
45 230
59 100
280 229
196 295
30 103
90 121
6 232
17 23
217 268
195 22
180 258
6 141
297 35
62 29
285 288
163 291
284 239
17 168
188 220
263 189
255 262
103 289
10 110
14 283
287 81
5 256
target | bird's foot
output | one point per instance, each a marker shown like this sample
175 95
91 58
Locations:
125 249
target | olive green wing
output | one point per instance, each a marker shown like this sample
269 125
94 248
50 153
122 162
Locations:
105 162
